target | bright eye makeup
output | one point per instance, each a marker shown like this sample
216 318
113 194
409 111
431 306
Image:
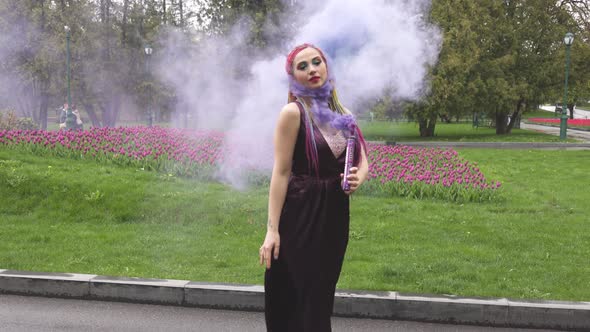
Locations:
302 65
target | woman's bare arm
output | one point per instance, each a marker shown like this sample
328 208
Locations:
284 144
363 168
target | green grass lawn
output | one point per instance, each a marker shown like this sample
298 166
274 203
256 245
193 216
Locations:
60 215
448 132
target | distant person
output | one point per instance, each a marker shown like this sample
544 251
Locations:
79 124
308 211
63 116
71 121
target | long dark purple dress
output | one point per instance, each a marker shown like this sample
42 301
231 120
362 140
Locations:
300 285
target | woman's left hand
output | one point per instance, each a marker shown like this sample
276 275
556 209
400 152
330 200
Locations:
353 180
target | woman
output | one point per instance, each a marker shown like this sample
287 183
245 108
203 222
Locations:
307 230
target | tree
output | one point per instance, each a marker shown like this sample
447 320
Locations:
498 57
33 60
579 78
265 15
450 93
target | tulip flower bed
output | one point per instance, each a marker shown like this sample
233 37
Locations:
175 151
427 172
398 170
570 122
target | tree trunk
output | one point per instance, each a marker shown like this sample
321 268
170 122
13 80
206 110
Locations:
89 108
106 115
109 29
107 118
427 126
501 123
181 9
515 115
46 80
29 99
111 110
103 4
44 104
164 18
20 104
35 100
571 109
431 126
117 99
124 23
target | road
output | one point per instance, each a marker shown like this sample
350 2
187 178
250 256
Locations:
31 314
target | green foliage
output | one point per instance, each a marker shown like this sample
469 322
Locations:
11 173
94 196
501 58
9 121
579 79
497 57
386 108
107 42
419 190
262 15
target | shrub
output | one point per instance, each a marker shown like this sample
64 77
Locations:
9 121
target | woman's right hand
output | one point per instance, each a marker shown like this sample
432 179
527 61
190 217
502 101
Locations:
270 247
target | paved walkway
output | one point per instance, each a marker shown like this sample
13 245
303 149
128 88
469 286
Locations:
571 133
30 314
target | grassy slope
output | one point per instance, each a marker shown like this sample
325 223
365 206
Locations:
88 218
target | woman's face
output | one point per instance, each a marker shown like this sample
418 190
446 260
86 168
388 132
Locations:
309 68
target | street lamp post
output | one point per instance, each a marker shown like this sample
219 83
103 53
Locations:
148 52
568 41
69 115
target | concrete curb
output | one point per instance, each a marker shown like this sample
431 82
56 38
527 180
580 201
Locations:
380 305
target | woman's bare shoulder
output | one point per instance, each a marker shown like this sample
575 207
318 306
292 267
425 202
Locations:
288 123
290 112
